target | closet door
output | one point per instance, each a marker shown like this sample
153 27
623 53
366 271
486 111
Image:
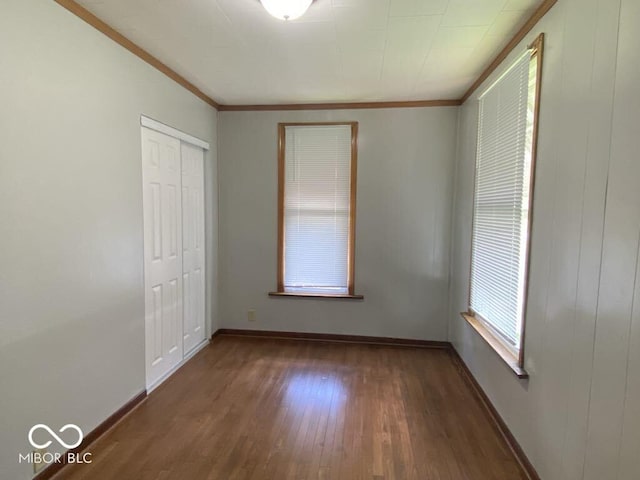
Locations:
193 245
161 175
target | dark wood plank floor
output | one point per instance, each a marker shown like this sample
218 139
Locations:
258 409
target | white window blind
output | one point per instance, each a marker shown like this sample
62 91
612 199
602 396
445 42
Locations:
501 201
316 208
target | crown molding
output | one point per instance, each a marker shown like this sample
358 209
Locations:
539 12
84 14
120 39
340 106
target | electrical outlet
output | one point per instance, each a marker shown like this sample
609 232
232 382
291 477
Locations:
251 315
38 459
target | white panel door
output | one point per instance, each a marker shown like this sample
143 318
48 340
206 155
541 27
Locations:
193 245
161 175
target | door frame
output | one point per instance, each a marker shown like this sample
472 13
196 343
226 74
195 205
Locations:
157 126
173 132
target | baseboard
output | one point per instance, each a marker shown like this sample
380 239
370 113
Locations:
333 338
493 415
92 436
495 418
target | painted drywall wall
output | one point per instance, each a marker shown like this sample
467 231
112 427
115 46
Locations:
71 264
577 417
404 195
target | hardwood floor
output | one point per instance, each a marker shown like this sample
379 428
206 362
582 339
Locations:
258 409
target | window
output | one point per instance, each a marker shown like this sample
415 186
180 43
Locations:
505 159
316 209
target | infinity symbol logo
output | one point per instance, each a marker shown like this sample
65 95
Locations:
53 434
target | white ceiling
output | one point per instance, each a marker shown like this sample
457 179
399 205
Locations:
339 51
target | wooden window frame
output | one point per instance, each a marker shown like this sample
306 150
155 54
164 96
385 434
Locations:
351 243
505 351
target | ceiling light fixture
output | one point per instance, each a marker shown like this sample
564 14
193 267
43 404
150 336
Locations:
286 9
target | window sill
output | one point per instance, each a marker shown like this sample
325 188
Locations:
343 296
494 342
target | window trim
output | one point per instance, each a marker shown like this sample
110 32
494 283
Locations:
514 360
351 244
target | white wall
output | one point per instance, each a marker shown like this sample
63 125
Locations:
71 292
71 264
405 179
578 416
